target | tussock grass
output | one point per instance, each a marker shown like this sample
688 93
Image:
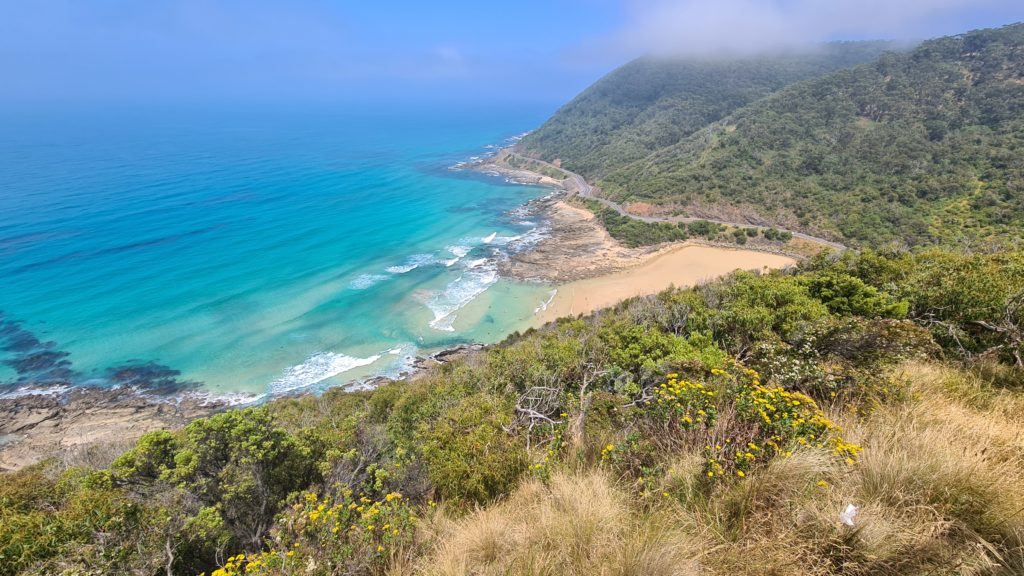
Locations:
939 488
578 524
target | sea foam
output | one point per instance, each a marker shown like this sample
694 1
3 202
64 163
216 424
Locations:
459 252
544 305
457 294
21 392
364 281
316 369
413 262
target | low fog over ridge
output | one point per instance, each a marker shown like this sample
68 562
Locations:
686 28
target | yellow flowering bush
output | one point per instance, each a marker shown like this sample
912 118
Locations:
772 421
760 423
684 403
553 450
321 535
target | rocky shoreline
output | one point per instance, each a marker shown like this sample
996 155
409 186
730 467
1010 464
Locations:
89 423
65 423
576 247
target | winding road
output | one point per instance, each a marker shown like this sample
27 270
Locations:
576 183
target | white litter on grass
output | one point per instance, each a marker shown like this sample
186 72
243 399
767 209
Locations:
847 516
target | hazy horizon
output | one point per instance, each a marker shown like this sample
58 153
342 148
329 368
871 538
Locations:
192 51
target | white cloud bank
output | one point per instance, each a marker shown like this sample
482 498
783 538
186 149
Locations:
694 27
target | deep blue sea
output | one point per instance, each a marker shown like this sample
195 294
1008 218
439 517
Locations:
253 251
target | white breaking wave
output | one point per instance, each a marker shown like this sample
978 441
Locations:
403 365
316 369
476 263
505 240
232 399
364 281
459 252
528 239
544 305
490 238
458 293
56 390
412 262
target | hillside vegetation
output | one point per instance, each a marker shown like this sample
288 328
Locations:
921 147
652 103
714 430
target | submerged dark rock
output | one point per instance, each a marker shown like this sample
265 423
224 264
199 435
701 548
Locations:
39 361
150 377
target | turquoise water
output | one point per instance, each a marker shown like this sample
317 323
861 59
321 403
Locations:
252 251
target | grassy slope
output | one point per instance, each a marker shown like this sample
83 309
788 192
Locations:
917 148
936 472
650 104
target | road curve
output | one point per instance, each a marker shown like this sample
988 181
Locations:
579 184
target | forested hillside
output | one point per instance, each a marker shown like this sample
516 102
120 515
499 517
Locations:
717 430
652 103
921 147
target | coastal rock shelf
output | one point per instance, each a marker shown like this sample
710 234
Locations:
69 425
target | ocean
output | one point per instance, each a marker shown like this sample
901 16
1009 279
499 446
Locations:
253 252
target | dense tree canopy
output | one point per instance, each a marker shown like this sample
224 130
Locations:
653 103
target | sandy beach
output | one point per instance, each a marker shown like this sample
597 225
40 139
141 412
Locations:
591 270
679 266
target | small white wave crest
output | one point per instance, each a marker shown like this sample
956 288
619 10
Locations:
528 239
316 369
411 263
459 252
364 281
544 305
232 399
29 390
457 294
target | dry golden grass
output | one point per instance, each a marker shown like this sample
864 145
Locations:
940 491
578 524
940 487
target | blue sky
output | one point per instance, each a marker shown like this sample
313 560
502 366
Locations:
298 50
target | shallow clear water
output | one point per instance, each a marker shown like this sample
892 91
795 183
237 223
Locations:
252 250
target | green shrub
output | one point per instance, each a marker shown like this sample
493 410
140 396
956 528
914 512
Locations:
850 296
751 308
240 462
469 455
